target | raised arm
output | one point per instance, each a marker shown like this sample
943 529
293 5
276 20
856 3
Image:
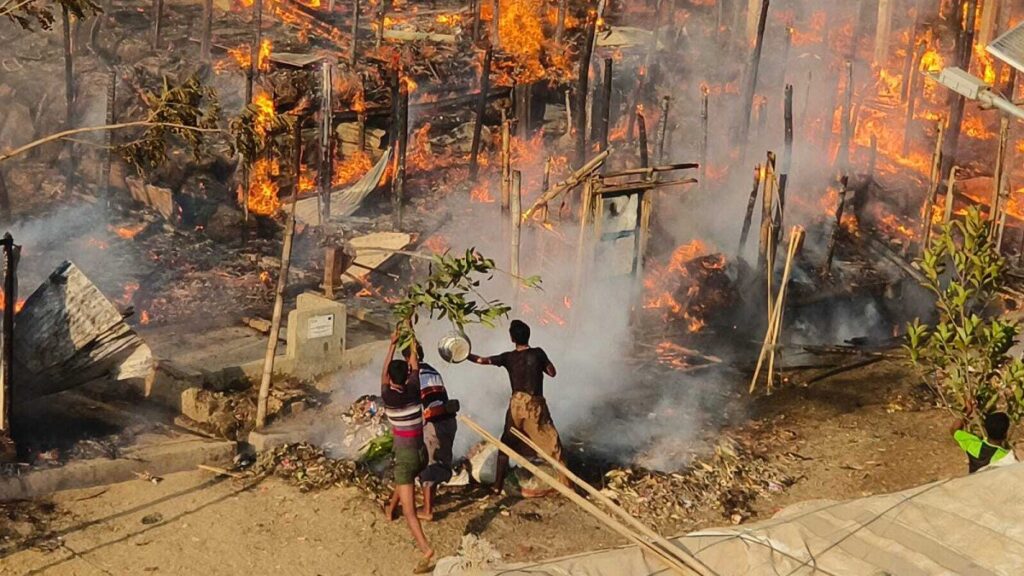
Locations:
385 381
549 369
482 360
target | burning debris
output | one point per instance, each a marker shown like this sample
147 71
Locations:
310 468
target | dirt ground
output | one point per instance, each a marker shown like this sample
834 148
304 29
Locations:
863 432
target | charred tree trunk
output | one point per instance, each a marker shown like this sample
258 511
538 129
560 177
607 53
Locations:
752 71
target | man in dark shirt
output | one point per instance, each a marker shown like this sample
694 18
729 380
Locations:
527 410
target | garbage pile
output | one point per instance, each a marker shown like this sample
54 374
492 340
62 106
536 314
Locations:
309 468
730 480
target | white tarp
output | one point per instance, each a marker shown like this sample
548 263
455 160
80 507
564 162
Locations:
972 525
344 202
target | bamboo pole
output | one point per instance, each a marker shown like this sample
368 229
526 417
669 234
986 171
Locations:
752 71
751 202
774 326
999 174
12 252
108 136
206 40
481 109
353 53
506 165
563 9
703 151
883 31
950 193
5 199
935 179
476 5
586 198
787 153
69 95
834 239
282 284
642 139
767 201
965 51
581 92
663 132
674 563
516 220
496 24
382 10
254 53
676 549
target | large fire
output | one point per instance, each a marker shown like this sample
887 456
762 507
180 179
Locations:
263 189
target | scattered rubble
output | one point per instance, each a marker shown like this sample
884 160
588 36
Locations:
310 468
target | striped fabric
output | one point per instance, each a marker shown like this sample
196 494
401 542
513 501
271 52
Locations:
433 394
406 421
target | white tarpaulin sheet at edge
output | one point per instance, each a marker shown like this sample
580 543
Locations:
972 525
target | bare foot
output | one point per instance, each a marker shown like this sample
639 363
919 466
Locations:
424 515
426 564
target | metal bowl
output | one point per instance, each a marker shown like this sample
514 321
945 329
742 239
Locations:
454 347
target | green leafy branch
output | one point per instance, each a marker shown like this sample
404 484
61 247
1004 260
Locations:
964 356
451 291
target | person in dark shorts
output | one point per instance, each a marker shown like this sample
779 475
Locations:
989 451
439 428
400 389
527 410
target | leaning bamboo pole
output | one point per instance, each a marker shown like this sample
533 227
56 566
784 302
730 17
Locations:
1000 169
751 202
516 208
774 325
674 548
282 284
573 179
935 180
830 251
950 193
671 561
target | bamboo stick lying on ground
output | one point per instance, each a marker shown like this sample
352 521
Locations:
675 549
666 556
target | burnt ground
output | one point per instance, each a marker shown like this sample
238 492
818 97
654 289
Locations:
862 432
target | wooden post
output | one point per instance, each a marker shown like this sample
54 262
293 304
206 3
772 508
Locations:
402 127
606 105
882 32
516 220
950 193
257 40
361 114
990 15
495 24
703 151
642 138
935 179
353 53
506 164
846 124
12 253
752 70
481 109
206 41
108 135
475 6
282 284
663 132
751 202
753 19
5 199
999 174
69 95
767 200
965 45
563 8
912 87
326 139
787 154
834 239
158 21
382 11
522 94
581 93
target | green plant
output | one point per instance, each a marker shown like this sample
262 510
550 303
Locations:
450 292
964 355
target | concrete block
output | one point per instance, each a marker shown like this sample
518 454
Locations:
316 335
264 441
155 454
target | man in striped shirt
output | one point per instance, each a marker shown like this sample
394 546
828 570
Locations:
400 389
439 430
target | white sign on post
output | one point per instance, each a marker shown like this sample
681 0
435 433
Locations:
320 326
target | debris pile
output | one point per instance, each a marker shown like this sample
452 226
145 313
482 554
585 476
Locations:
730 481
310 468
